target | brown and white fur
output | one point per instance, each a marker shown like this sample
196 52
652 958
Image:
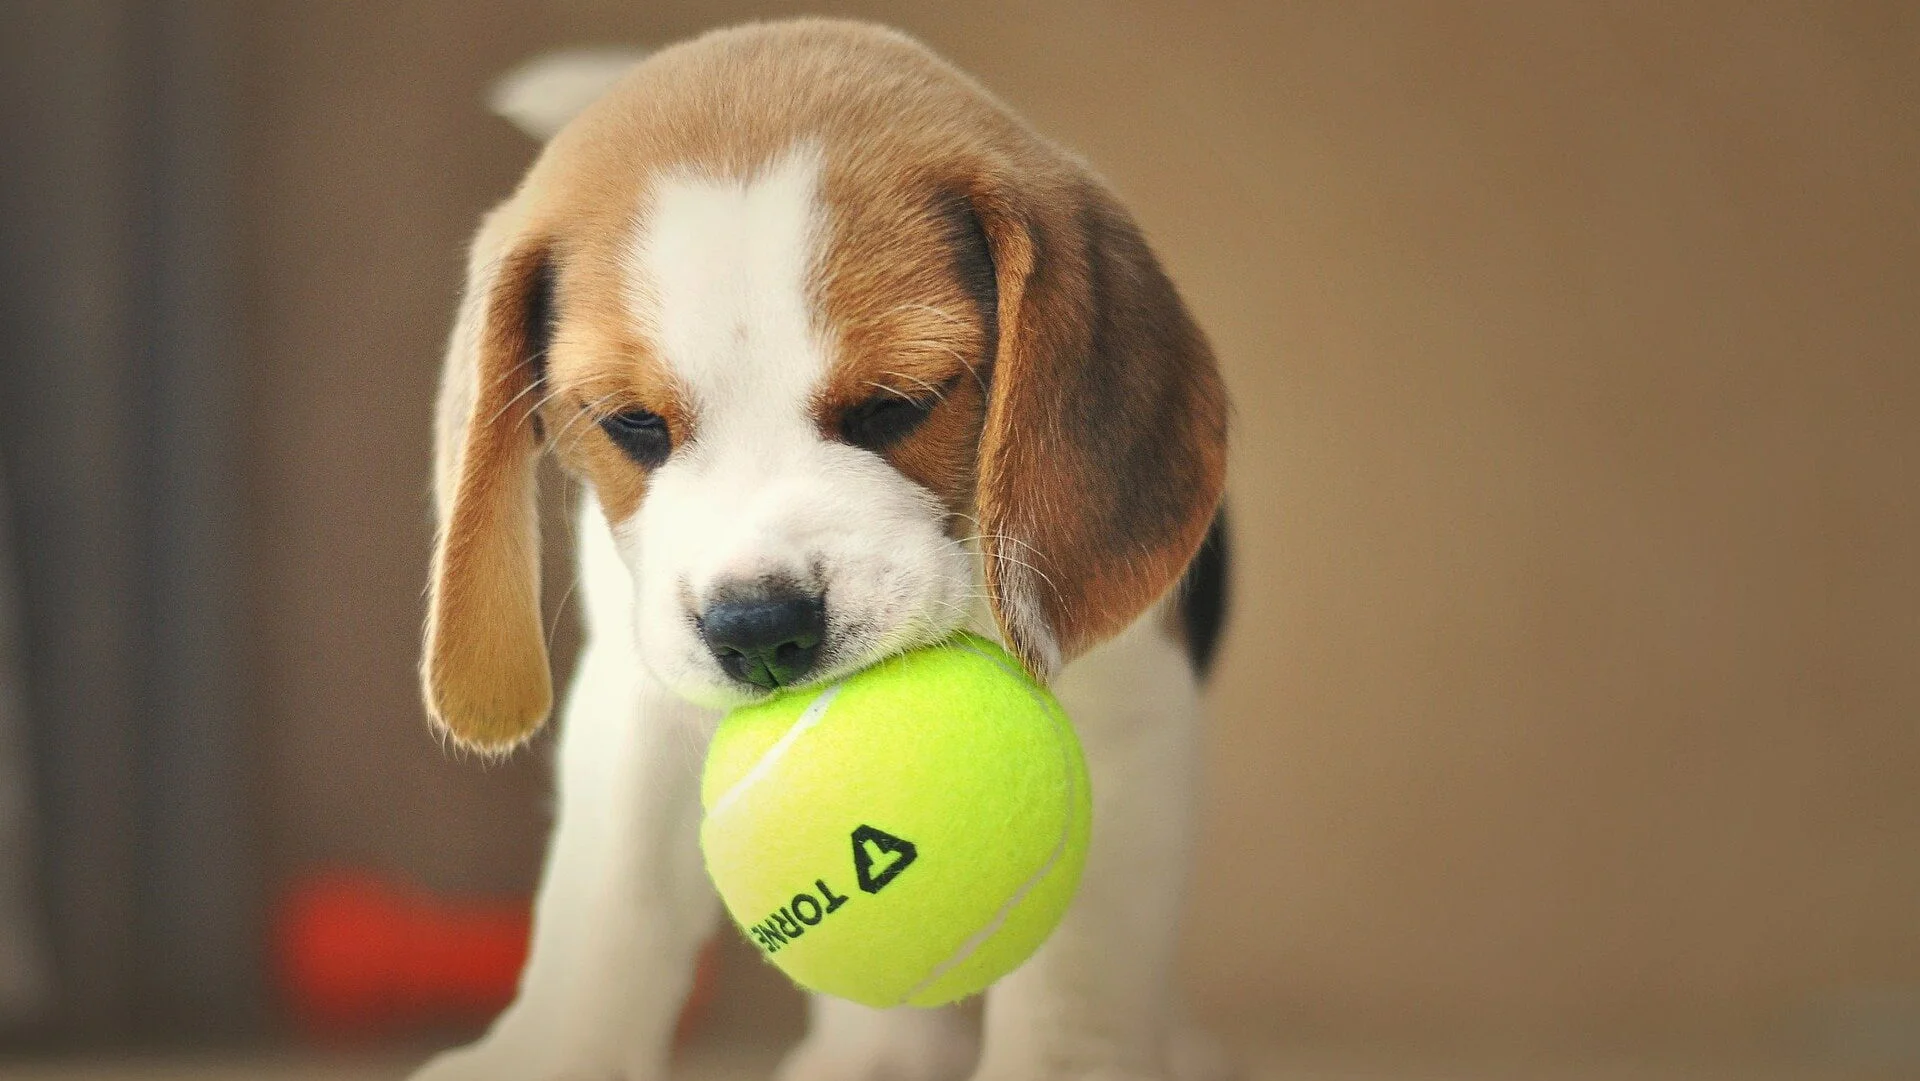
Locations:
701 301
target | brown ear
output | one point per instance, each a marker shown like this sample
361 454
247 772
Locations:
1104 450
484 670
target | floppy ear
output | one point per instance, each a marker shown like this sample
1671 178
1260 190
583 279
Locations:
1104 448
541 95
484 670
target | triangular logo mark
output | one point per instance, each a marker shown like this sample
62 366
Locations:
878 857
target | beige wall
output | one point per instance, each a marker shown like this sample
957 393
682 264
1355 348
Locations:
1573 692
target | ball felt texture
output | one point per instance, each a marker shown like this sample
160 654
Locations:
904 836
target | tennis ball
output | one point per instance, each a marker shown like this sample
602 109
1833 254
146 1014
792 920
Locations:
905 836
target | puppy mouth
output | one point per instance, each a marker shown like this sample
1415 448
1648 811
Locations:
847 648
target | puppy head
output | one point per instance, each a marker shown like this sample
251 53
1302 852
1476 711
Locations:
848 357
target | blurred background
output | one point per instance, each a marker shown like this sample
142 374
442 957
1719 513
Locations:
1571 704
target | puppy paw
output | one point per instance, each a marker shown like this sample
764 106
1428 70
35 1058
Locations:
1192 1055
1098 1074
918 1055
494 1060
1195 1055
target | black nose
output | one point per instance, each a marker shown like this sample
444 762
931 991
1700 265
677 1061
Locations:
770 640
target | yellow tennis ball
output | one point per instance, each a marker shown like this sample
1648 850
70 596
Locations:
905 836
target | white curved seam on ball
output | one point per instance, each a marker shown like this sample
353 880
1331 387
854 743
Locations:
1005 912
809 717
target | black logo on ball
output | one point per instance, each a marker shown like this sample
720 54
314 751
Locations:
879 857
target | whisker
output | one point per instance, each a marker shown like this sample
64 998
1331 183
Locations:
903 396
1004 557
939 395
560 611
510 369
545 400
929 343
930 309
524 391
585 410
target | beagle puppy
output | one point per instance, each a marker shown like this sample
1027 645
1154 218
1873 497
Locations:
845 357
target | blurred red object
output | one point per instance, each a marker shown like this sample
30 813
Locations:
359 956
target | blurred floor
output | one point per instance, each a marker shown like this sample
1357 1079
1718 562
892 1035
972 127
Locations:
1264 1065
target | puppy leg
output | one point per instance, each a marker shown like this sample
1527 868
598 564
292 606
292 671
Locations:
1096 1003
624 904
1197 1055
849 1042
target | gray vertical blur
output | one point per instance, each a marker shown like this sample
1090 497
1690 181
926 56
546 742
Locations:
23 974
117 392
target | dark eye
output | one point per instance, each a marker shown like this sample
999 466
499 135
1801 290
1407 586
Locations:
642 434
883 420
